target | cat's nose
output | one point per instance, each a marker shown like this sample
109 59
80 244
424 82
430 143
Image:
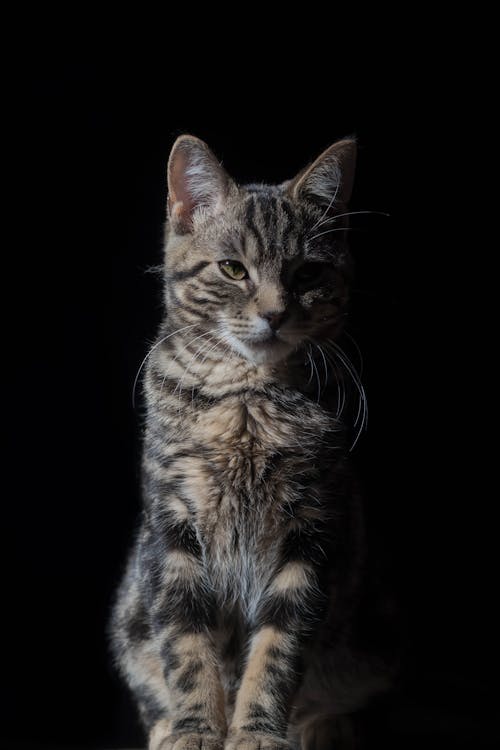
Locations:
275 318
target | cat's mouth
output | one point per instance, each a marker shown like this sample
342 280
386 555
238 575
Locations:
267 340
269 348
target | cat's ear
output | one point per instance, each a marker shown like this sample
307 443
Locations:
328 181
195 180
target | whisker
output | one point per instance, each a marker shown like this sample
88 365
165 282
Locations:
329 231
358 351
339 216
161 341
362 413
339 379
217 341
332 201
317 379
311 366
186 369
210 349
207 333
200 365
324 363
351 370
355 213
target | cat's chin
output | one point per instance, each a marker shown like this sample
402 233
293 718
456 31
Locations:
265 351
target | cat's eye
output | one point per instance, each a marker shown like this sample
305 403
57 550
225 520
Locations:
309 273
233 269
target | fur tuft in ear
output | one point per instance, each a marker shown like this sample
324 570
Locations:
329 180
195 180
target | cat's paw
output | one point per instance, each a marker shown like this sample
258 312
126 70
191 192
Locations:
192 741
251 741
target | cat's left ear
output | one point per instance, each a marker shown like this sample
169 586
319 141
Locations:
328 181
195 180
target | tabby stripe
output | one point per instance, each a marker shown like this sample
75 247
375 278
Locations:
289 226
250 222
200 288
215 285
222 295
261 721
194 311
179 275
190 607
186 682
277 653
137 627
280 680
163 383
213 292
196 393
191 724
266 726
256 711
270 219
298 614
304 545
200 300
182 536
151 711
169 657
168 486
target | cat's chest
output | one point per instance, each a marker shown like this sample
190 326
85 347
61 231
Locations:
247 454
236 479
244 425
232 454
244 466
239 451
242 547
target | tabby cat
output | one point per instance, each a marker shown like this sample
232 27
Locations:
231 624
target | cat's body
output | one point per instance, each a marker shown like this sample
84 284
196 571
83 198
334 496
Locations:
233 622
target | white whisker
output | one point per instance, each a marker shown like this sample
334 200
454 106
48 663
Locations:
186 369
354 213
340 386
324 363
339 216
358 351
362 412
332 201
183 348
161 341
311 366
317 379
329 231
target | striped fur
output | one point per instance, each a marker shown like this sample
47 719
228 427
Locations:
230 624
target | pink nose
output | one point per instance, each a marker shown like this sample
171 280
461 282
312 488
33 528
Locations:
274 318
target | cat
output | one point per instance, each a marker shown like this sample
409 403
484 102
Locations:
231 625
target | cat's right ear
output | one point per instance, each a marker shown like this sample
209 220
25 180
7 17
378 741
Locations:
195 181
328 181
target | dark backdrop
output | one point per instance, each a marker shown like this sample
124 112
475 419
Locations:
94 138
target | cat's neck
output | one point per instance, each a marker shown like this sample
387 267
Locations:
191 359
187 358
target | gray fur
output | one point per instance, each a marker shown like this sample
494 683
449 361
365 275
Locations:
231 626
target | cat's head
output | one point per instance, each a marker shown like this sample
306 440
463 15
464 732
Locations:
264 268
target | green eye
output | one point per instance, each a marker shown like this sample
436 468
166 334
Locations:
233 269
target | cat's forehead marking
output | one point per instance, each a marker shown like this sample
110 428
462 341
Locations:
272 227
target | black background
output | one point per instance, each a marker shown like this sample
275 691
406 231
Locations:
93 140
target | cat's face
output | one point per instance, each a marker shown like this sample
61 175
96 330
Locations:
263 269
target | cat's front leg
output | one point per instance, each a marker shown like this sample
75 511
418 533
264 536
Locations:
183 616
288 613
